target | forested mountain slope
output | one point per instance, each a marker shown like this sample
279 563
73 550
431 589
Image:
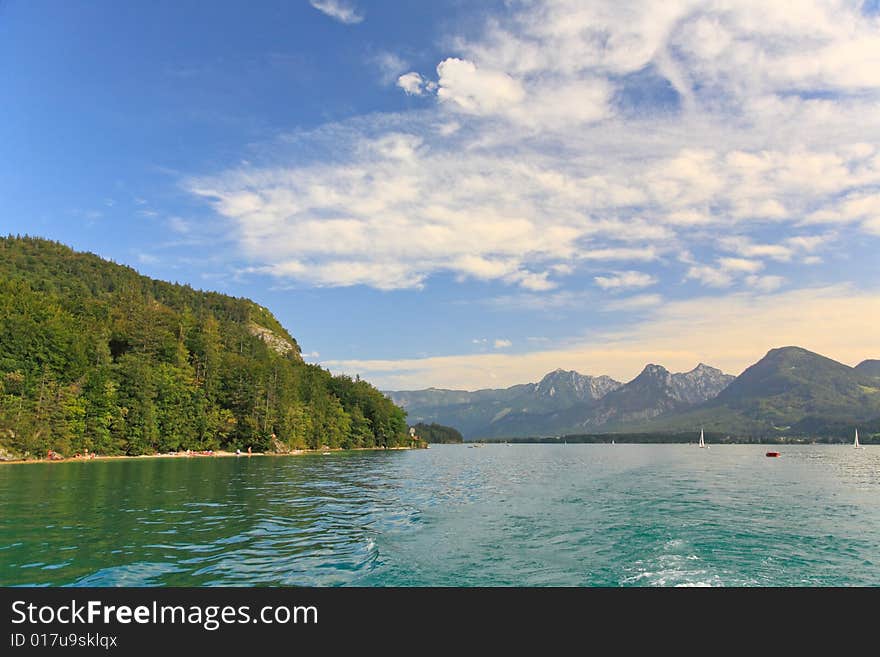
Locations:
95 356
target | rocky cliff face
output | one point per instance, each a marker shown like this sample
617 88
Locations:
275 342
575 386
655 391
701 383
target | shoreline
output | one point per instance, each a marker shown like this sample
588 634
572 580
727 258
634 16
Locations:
196 455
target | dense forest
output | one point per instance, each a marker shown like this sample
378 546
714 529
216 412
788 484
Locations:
437 433
94 356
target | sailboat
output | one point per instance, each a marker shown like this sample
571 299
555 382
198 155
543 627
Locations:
856 442
702 442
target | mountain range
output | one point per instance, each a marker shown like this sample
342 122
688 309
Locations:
790 391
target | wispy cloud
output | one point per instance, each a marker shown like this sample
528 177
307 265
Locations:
625 280
179 226
636 302
765 283
738 330
542 302
340 10
390 66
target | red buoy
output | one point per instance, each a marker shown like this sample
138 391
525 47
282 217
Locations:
772 454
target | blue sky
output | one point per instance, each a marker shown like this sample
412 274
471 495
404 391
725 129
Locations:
459 196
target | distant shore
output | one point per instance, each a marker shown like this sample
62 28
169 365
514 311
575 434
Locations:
198 455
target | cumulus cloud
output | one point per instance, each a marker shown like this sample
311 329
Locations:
412 83
474 90
538 104
567 136
340 10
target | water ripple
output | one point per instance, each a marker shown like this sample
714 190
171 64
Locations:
526 515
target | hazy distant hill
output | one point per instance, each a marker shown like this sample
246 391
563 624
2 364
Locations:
475 413
564 401
789 392
869 368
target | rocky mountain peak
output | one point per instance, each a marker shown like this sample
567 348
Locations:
654 372
575 385
701 383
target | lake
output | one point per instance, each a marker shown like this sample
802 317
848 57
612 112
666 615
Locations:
535 515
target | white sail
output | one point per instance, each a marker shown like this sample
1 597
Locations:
856 443
702 442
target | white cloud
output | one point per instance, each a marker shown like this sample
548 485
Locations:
540 103
710 276
746 248
476 91
726 271
857 207
644 254
450 128
537 282
500 343
765 283
528 167
339 10
412 83
625 280
740 265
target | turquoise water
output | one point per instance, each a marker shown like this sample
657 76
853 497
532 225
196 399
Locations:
538 515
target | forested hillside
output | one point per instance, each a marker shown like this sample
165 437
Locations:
95 356
437 433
